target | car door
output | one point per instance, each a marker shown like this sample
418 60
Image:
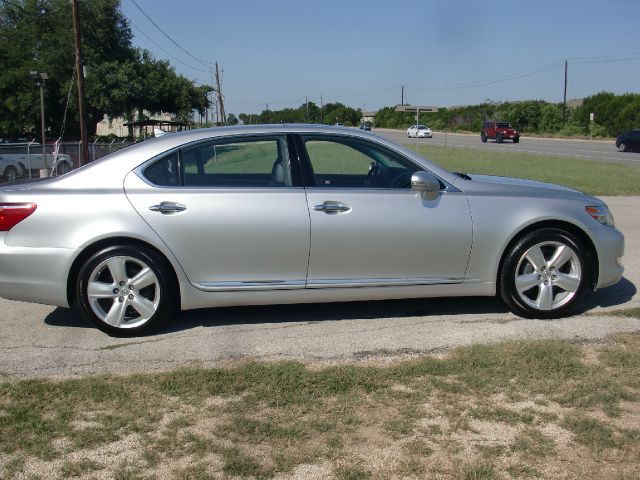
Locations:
368 228
229 212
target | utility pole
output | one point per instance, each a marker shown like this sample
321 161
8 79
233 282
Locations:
80 75
321 109
306 101
564 103
223 116
402 96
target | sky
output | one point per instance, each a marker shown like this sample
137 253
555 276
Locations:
362 52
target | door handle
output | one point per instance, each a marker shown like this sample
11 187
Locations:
332 207
167 208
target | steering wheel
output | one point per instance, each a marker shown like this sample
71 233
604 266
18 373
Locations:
402 180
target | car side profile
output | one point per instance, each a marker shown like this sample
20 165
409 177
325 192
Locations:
498 131
628 141
255 215
419 131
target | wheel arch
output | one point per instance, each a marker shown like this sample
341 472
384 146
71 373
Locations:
93 248
590 249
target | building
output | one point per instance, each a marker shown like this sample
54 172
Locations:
119 126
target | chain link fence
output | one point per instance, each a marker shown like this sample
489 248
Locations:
30 160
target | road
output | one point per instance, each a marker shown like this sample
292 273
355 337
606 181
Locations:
38 340
585 149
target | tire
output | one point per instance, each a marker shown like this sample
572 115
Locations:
10 174
533 285
483 137
63 168
622 147
498 138
516 140
125 290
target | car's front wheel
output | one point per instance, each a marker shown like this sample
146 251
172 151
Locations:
622 147
516 140
63 168
498 138
544 274
125 290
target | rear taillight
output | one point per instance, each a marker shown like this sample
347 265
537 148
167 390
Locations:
13 213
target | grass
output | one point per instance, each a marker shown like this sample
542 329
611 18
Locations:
590 176
512 410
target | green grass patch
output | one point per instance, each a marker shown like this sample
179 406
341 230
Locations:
260 420
626 312
531 442
590 176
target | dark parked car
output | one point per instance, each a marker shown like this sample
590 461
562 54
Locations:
628 141
498 131
365 126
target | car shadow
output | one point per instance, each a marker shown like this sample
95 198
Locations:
611 296
303 313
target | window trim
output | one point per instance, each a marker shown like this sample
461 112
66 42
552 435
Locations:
292 157
310 175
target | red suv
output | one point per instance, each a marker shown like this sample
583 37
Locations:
498 131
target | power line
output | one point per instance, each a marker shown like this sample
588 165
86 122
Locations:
204 62
166 51
19 7
615 57
505 78
612 60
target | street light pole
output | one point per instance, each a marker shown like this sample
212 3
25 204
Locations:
39 78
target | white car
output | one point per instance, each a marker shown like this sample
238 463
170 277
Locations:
419 131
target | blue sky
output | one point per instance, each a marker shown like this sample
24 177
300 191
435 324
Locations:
361 52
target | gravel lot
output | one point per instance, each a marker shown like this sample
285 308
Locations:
38 341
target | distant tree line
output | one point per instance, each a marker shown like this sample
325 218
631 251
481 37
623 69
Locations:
328 114
37 35
612 114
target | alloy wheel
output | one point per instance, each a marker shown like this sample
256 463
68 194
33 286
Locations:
123 292
548 275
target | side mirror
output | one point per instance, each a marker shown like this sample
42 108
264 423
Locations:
426 183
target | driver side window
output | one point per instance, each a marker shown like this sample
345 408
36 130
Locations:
351 163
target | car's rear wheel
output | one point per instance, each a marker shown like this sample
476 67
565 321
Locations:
483 137
10 174
622 147
544 274
125 290
498 138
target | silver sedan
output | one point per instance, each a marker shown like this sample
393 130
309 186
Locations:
288 214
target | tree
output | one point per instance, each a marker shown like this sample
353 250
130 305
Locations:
232 119
38 35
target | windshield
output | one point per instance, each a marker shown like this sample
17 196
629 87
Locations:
503 125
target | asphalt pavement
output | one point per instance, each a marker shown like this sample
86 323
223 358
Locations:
600 150
43 341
